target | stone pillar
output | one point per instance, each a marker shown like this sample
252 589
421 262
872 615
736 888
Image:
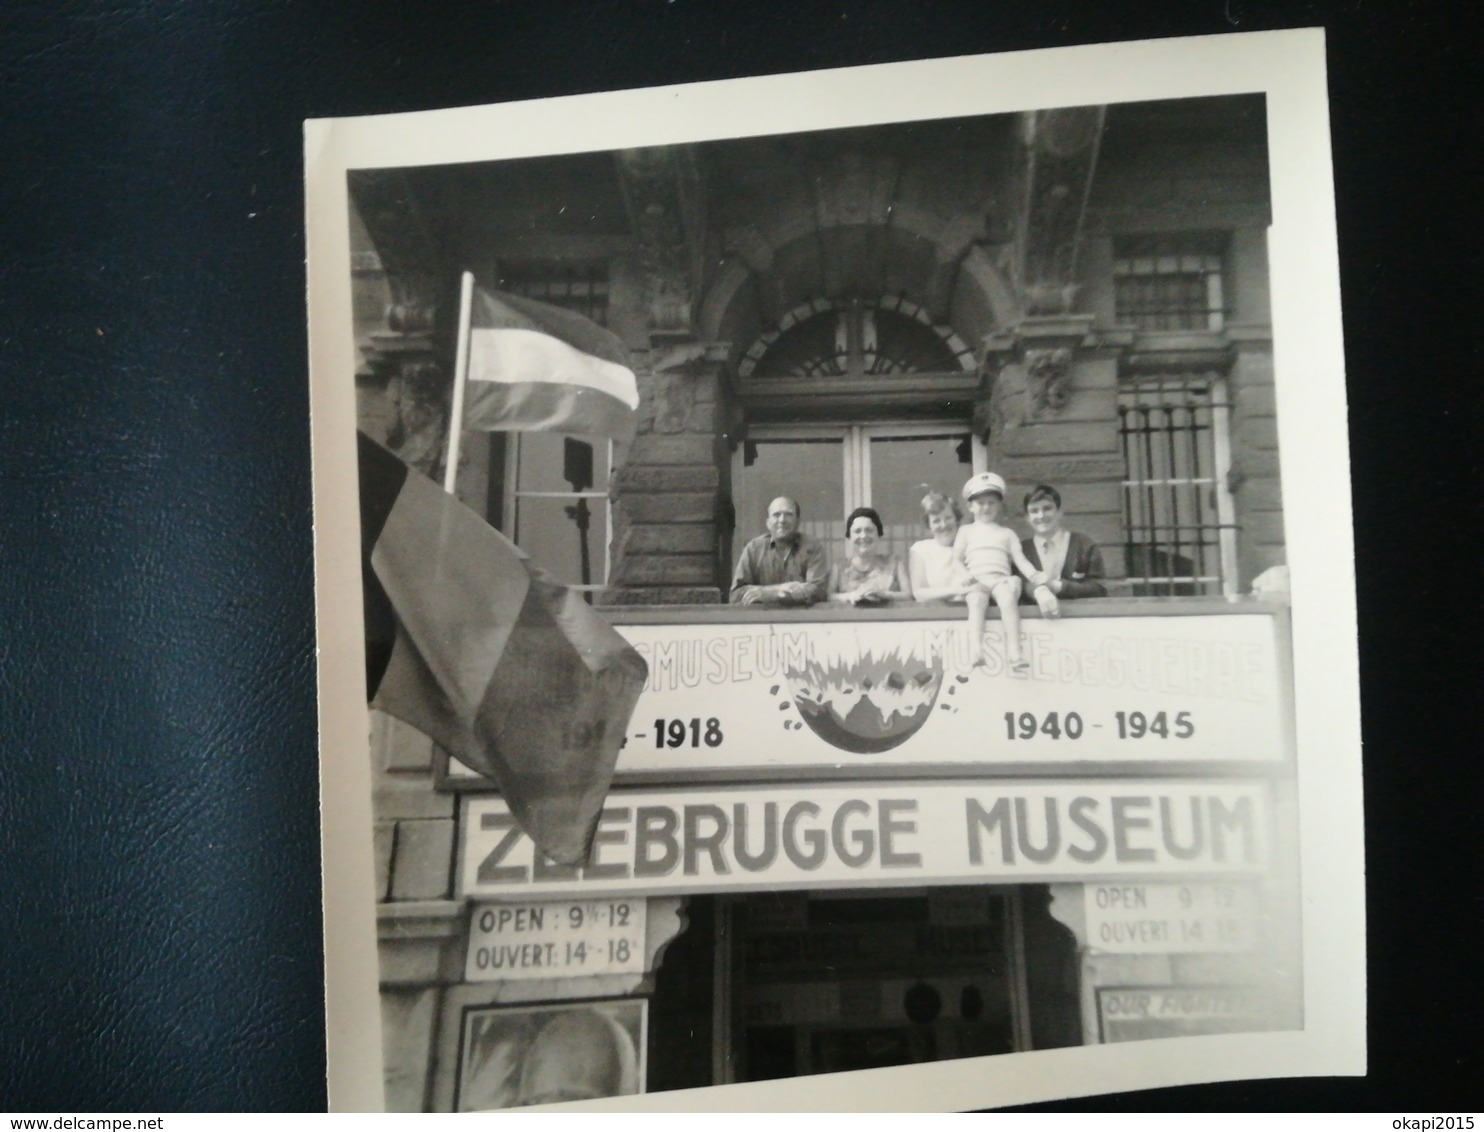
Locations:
405 377
668 515
401 397
417 919
1048 414
1254 478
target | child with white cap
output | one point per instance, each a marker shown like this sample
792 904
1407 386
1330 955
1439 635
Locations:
991 554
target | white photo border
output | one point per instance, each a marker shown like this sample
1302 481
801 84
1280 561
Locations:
1288 67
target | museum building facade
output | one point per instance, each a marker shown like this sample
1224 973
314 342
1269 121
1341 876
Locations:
832 842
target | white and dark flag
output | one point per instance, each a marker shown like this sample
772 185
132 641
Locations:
535 367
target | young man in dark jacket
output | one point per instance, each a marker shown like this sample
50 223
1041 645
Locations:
1071 559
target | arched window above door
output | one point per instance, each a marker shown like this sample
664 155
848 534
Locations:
856 360
855 338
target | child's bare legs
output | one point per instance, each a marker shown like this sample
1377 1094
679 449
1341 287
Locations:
1007 597
978 602
1006 594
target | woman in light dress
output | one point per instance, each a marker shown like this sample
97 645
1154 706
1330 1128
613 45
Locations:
933 572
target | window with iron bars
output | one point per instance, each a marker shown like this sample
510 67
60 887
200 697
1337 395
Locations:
580 287
1179 533
1170 282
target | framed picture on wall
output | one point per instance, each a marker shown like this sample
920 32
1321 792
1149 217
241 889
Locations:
546 1053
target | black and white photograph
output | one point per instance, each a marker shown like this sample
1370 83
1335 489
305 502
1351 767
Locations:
850 567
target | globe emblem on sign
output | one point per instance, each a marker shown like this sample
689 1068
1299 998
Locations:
865 705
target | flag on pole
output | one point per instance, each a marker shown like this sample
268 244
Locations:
505 668
539 368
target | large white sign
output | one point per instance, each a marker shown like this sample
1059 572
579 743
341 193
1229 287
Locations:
874 834
792 694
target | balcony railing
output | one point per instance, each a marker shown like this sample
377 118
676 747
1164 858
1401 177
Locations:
723 613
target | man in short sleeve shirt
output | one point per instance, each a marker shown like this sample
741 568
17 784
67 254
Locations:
784 566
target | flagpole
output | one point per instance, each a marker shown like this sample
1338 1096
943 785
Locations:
460 374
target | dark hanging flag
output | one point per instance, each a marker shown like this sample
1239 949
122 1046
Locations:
502 666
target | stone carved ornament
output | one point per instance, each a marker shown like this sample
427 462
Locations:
1048 374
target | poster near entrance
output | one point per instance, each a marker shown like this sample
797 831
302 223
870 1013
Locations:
1129 1014
517 1057
853 577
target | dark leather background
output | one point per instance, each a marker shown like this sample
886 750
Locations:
159 868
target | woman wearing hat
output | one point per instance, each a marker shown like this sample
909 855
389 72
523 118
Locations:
871 575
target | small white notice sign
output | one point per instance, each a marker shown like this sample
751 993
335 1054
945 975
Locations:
1164 918
556 939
